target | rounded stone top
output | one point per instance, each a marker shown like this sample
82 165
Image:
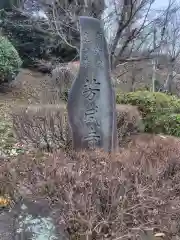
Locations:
89 22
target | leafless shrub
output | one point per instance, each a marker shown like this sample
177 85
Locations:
129 122
42 126
151 149
95 195
46 126
62 78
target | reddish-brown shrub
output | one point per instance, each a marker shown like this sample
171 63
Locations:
129 122
42 126
46 126
62 78
95 195
152 149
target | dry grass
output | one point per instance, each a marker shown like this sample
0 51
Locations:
104 196
30 86
35 88
155 148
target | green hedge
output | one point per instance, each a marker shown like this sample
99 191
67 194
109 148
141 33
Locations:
10 62
34 39
168 124
149 102
160 111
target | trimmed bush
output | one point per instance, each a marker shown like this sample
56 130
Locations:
42 126
149 102
10 61
129 122
46 126
62 78
160 111
163 123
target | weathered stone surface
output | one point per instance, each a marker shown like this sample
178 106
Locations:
29 220
6 226
91 103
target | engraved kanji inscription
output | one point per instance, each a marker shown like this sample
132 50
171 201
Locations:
93 138
90 114
91 89
100 64
99 36
85 60
85 51
85 63
85 37
97 50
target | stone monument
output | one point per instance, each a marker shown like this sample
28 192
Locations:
91 103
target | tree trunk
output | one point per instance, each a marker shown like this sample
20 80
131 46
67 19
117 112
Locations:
154 62
153 75
169 80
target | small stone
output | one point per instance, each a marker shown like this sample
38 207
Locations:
160 235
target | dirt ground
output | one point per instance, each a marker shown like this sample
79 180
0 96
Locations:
15 93
30 87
